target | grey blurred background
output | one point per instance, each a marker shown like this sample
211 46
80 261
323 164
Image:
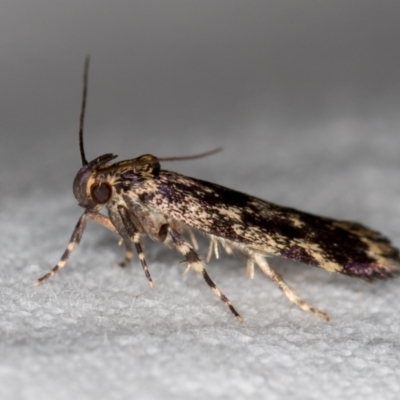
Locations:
178 77
303 96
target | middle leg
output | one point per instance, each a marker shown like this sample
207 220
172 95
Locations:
134 236
194 261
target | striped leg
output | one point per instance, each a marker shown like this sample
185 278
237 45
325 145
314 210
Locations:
134 236
288 292
196 263
74 241
128 255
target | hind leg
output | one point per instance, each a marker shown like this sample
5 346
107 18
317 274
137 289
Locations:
288 292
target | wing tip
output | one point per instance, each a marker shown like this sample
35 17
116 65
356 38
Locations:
371 272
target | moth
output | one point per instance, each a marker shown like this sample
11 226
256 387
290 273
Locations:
144 200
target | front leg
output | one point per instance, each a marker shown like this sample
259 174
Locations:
105 221
194 261
74 241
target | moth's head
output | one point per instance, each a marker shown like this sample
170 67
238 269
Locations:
87 189
93 184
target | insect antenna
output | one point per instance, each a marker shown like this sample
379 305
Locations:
193 157
83 109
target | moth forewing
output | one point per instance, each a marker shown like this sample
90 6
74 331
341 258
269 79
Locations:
143 200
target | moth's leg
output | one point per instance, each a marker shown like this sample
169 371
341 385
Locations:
74 241
105 221
250 267
194 261
193 239
227 248
213 248
134 236
128 254
289 293
101 220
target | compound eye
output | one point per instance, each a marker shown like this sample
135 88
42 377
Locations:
101 192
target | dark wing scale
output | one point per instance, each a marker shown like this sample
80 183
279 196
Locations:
337 246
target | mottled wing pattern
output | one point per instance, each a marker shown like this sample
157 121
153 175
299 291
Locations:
337 246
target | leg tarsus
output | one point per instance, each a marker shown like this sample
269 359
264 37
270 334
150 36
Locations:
289 293
74 241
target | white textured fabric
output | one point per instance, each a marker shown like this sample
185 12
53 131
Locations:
94 331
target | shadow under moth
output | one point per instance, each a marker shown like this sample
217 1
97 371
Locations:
144 200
